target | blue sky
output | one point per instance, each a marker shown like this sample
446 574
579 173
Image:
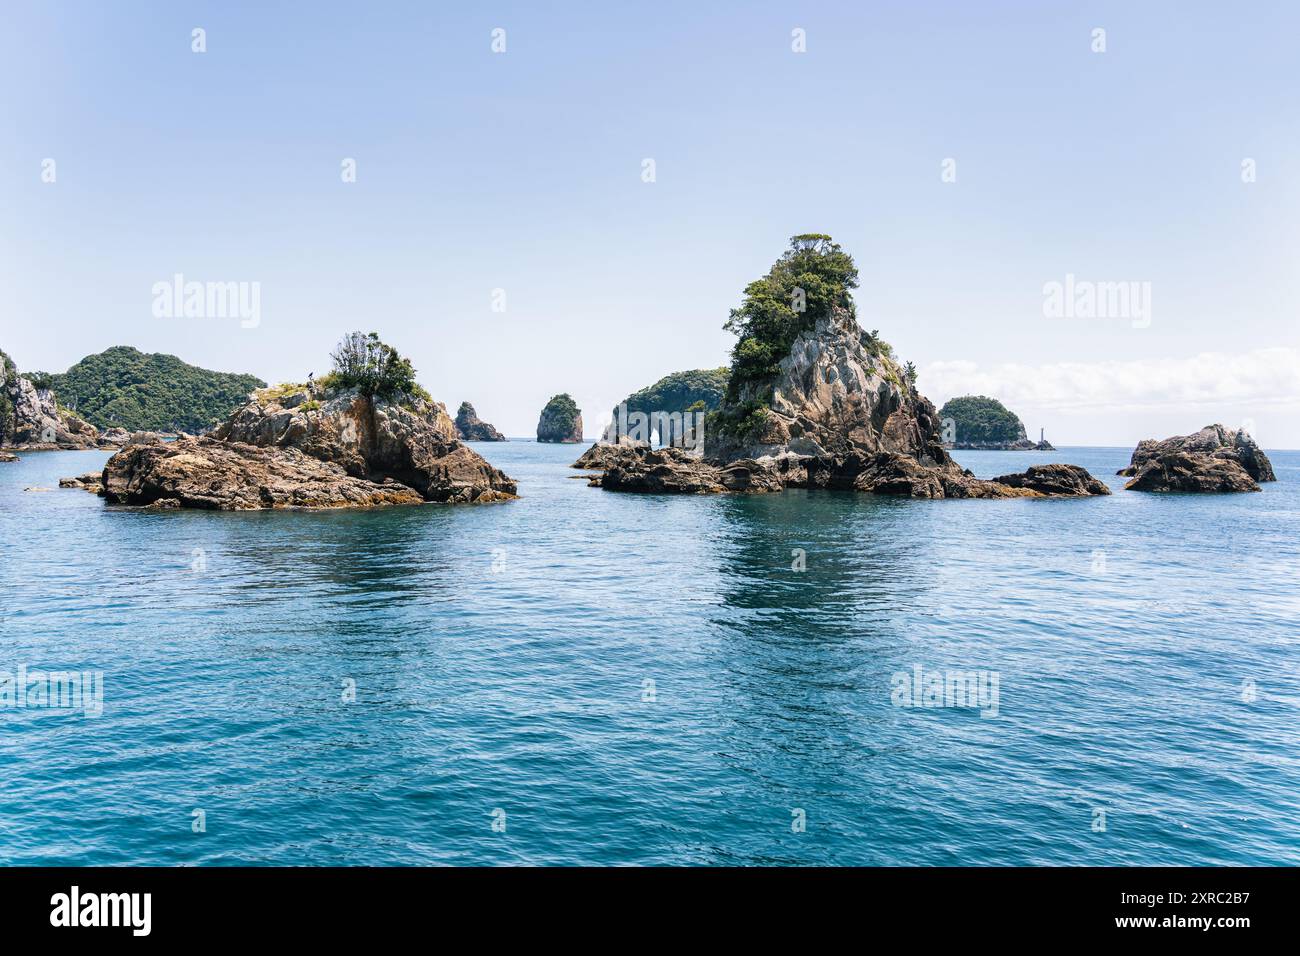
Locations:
522 171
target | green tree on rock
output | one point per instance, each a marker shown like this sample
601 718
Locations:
363 362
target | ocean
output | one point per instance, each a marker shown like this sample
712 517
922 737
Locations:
583 677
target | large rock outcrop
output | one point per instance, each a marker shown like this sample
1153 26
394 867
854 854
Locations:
839 413
1213 460
232 476
304 446
560 421
471 428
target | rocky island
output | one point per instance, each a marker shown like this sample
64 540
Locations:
1215 459
813 401
471 428
977 422
366 434
560 421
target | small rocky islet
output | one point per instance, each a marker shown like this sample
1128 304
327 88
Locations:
311 446
469 427
1213 460
560 421
814 401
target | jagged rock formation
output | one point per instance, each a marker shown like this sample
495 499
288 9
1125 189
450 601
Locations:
671 470
312 447
1213 460
983 423
471 428
838 413
560 421
603 454
231 476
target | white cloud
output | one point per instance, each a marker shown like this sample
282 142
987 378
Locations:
1264 377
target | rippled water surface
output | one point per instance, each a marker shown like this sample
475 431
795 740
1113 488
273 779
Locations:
502 657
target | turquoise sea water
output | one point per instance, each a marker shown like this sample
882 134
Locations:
1145 648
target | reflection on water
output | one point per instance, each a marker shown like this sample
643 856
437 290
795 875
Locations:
650 680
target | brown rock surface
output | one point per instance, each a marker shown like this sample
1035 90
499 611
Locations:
304 447
1213 460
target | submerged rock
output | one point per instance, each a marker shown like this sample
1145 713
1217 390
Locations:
1213 460
92 482
560 421
471 428
307 447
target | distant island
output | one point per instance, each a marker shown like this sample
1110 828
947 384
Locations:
698 389
980 422
560 421
123 387
472 428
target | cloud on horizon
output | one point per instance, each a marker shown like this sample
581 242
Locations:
1264 377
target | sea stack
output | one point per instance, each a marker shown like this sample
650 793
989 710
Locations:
471 428
560 421
814 401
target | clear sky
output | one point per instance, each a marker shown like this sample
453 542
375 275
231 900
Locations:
522 171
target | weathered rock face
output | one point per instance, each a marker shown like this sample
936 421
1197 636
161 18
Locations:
231 476
671 470
1055 481
114 437
471 428
307 448
1215 459
837 393
560 421
841 415
1179 471
603 454
38 422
